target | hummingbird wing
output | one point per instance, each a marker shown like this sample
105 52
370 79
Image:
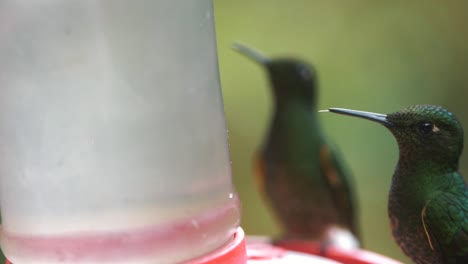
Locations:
337 179
445 222
259 173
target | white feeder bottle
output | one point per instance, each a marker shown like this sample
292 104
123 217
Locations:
113 142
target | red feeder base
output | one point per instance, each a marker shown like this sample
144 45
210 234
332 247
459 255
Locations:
356 256
232 253
259 250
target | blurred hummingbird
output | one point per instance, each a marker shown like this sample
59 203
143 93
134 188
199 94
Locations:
428 201
299 174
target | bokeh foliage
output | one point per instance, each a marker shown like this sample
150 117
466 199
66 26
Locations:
370 55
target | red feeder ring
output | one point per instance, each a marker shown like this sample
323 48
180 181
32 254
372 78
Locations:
232 253
238 251
355 256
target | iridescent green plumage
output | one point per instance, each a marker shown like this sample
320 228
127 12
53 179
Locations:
297 171
428 201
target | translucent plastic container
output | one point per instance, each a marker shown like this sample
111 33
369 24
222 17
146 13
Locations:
113 143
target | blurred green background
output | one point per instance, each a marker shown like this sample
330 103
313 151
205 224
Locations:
370 55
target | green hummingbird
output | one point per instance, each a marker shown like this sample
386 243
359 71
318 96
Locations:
299 174
428 200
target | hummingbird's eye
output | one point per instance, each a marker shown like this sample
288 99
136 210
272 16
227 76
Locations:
305 73
426 128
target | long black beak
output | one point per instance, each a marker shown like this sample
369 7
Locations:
379 118
251 53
